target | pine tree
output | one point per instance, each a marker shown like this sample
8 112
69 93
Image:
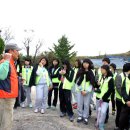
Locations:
2 45
62 50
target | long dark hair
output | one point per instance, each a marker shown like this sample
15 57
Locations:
46 65
79 63
67 63
89 73
57 64
107 68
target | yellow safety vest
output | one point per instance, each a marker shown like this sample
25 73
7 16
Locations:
99 73
26 74
56 80
84 85
127 81
67 84
38 77
118 96
103 87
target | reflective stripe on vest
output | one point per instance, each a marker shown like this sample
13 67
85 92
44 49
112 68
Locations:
56 80
99 73
127 82
118 96
104 87
94 72
26 74
75 72
40 76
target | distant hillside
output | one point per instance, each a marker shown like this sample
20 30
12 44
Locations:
123 54
127 54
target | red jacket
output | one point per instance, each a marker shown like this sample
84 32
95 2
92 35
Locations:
9 86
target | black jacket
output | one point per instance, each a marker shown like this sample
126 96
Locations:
53 75
33 76
69 76
110 90
124 94
89 77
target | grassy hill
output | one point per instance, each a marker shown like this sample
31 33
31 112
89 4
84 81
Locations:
127 54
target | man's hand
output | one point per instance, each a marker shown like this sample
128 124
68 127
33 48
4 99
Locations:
128 103
7 56
1 61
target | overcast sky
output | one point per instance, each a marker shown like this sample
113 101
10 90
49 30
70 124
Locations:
92 25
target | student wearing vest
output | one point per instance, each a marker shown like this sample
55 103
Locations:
41 79
106 86
54 72
125 91
114 73
105 61
118 83
8 85
66 76
85 81
74 92
26 74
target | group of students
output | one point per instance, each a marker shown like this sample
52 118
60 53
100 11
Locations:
76 86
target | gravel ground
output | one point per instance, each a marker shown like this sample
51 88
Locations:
26 119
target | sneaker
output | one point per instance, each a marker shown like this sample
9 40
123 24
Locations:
23 105
42 111
30 105
86 121
113 113
71 118
36 111
53 108
80 119
49 107
62 114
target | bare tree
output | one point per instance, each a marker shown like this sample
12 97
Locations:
38 46
6 35
26 43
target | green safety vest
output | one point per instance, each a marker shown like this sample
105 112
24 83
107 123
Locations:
56 80
75 73
26 74
118 96
99 73
84 85
67 84
103 87
127 88
38 77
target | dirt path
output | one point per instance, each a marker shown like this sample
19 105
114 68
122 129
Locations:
26 119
